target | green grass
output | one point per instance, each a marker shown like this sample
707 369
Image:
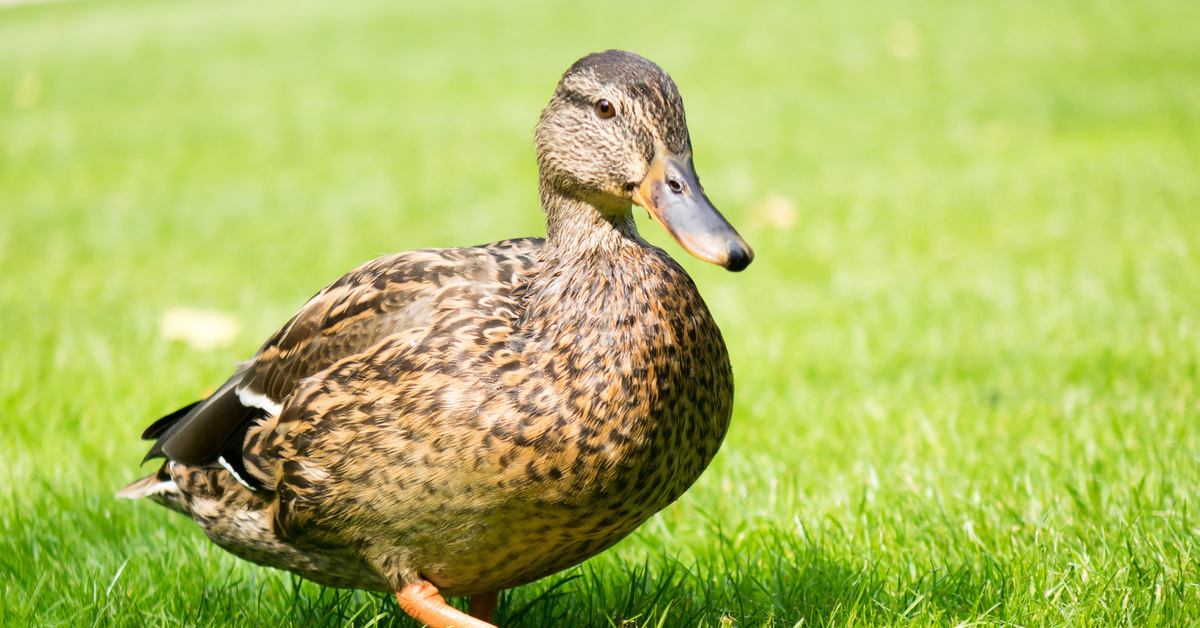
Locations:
966 356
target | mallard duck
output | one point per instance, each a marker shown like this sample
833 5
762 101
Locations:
462 421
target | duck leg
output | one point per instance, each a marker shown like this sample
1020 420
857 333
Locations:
483 605
422 601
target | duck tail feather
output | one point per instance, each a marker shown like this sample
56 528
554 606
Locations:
159 487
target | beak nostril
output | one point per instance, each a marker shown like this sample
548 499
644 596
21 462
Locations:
675 185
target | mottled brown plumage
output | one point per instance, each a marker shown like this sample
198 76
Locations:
478 418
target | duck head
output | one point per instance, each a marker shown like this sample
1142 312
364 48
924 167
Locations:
614 134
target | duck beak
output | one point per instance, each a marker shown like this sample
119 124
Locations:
673 197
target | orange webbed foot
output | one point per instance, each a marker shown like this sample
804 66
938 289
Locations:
422 601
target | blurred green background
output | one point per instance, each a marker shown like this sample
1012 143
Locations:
966 354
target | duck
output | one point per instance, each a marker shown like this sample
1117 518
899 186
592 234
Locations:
456 422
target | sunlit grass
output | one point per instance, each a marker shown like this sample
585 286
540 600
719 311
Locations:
966 355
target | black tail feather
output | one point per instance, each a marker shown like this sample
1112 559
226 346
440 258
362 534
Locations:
157 428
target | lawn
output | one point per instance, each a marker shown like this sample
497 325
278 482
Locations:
967 354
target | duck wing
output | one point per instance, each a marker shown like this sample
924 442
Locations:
379 299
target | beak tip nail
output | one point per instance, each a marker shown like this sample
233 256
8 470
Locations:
739 257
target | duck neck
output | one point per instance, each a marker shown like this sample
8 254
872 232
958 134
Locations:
590 270
579 231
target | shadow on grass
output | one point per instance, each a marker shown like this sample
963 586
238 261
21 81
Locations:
766 577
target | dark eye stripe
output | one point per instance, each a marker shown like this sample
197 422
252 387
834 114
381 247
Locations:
576 98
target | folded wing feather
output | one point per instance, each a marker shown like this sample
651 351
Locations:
381 298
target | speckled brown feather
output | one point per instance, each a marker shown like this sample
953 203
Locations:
480 417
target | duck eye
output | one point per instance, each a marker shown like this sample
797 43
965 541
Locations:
605 109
